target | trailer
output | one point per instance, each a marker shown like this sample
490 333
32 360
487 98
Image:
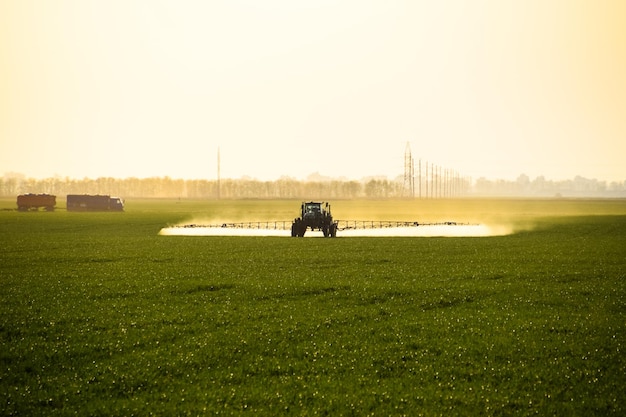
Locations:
86 202
29 201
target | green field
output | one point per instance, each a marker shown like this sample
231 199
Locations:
100 315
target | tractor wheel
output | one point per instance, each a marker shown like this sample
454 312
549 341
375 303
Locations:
333 230
297 229
325 230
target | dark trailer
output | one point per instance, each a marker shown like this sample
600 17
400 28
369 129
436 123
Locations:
86 202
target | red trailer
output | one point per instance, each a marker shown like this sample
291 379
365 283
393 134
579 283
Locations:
27 202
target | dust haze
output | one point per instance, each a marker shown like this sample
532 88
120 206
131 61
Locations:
476 230
467 218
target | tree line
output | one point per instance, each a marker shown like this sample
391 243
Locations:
166 187
524 186
288 188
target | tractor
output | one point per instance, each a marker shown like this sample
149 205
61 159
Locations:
315 216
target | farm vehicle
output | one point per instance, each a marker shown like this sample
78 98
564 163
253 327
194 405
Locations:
27 202
85 202
315 216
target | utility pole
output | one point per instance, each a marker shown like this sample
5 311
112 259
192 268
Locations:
412 178
408 186
433 184
419 177
218 173
426 179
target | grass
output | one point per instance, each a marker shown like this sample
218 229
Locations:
101 316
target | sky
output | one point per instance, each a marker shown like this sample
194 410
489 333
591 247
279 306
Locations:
134 88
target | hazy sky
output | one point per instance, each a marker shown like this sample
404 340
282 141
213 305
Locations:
284 87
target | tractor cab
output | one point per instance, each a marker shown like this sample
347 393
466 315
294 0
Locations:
312 210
